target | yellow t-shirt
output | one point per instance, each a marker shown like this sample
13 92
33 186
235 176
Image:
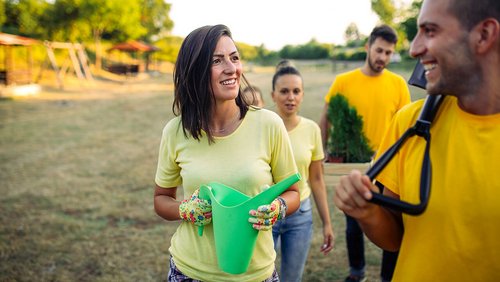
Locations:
457 238
258 153
376 99
307 147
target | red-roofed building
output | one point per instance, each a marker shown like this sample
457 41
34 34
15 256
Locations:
9 74
137 49
134 46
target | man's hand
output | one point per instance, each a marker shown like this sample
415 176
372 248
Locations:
352 195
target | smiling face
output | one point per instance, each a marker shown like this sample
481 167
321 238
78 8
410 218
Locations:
378 55
226 70
288 93
442 45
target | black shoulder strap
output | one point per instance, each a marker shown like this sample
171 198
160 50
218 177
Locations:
422 129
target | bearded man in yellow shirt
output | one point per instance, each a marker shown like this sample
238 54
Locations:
457 237
377 94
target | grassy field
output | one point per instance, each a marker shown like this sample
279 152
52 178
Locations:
76 179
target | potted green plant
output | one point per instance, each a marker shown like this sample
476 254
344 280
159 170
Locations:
346 142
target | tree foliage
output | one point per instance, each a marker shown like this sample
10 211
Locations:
169 48
263 56
25 17
155 19
148 20
309 51
402 18
3 16
409 25
385 9
83 20
67 22
247 52
113 16
352 33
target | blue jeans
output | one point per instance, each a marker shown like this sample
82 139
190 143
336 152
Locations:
356 252
292 235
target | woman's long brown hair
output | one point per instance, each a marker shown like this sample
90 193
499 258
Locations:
194 98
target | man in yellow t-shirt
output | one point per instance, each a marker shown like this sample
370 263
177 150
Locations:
377 94
457 237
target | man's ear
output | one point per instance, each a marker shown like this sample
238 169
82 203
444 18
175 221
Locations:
487 35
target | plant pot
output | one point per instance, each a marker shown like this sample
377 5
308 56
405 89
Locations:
334 159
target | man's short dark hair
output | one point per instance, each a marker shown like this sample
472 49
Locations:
385 32
471 12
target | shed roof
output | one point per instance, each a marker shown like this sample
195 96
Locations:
11 39
134 46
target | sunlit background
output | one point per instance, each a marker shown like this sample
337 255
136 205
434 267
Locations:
276 23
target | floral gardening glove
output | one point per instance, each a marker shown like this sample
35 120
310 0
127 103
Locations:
195 210
266 215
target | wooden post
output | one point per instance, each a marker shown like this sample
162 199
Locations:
64 68
76 62
83 60
52 59
9 65
30 64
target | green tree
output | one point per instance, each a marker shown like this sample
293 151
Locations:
265 56
353 37
401 18
112 16
346 139
309 51
169 48
352 33
385 9
3 16
247 52
24 17
409 25
65 22
155 19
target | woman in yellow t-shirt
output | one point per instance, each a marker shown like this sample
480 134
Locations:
216 136
292 235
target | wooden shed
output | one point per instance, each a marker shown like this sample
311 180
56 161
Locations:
10 73
137 49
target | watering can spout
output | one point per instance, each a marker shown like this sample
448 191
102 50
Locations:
267 196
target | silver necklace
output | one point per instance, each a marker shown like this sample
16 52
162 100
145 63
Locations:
229 125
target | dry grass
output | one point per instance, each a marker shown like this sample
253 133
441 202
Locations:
76 174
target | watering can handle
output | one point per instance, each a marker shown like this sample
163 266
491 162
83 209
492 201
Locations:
204 194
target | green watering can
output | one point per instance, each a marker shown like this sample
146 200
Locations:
230 221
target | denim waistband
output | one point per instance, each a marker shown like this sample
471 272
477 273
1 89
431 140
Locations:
305 204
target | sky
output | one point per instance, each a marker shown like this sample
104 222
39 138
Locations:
276 23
